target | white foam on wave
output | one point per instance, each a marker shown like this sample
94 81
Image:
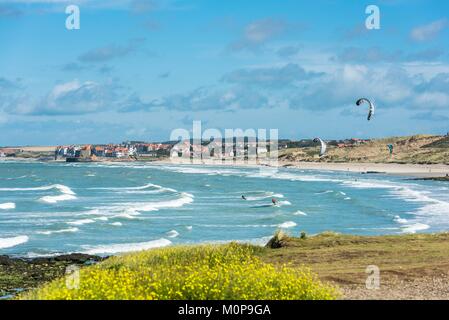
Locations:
400 220
7 206
184 199
288 224
433 211
299 213
371 184
68 230
126 247
140 189
55 199
172 234
325 192
283 203
210 170
255 196
12 242
116 224
130 216
17 178
67 193
81 222
60 187
413 228
129 210
292 176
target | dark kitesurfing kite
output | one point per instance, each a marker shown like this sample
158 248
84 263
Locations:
371 106
323 146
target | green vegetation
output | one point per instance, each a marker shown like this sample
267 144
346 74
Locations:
419 149
342 259
232 271
411 266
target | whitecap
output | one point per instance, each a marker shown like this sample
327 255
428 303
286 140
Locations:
413 228
400 220
12 242
255 195
7 206
325 192
126 247
81 222
172 234
184 199
288 224
74 229
157 189
55 199
299 213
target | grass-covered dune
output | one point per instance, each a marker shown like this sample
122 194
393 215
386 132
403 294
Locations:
418 149
212 272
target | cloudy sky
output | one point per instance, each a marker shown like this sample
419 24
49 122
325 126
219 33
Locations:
138 69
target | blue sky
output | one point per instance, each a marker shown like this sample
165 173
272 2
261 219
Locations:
138 69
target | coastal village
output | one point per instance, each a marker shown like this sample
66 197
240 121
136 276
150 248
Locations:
138 150
418 149
126 150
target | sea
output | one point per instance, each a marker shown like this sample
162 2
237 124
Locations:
49 208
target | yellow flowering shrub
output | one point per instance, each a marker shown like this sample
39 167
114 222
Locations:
209 272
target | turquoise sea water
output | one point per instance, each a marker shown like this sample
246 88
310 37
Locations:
54 208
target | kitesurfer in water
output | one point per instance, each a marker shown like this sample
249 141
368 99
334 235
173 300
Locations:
274 201
243 197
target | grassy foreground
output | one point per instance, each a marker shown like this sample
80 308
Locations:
411 267
232 271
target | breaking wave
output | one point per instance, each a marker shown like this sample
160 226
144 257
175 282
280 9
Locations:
126 247
68 230
7 206
12 242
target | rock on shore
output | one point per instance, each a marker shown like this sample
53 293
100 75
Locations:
18 274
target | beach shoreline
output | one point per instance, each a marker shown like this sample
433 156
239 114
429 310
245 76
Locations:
398 169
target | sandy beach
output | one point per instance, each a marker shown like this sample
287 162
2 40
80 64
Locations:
412 170
415 170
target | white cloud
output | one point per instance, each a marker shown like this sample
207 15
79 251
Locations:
258 33
435 99
429 31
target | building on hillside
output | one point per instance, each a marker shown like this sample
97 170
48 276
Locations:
8 152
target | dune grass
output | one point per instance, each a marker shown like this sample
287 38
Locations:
418 149
206 272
